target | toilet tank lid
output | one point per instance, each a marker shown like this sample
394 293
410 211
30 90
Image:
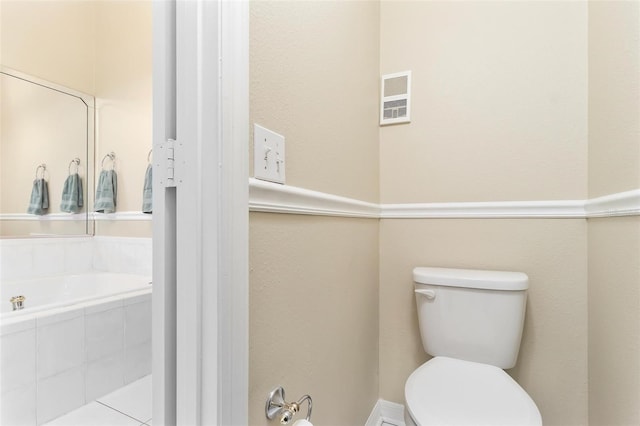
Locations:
471 278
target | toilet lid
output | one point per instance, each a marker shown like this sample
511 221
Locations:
446 391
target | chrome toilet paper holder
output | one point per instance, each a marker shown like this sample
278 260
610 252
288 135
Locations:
277 406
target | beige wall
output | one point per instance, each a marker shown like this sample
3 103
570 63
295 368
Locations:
614 97
614 321
499 112
314 79
52 40
614 243
499 98
314 315
123 102
314 280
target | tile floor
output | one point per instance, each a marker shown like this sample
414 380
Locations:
127 406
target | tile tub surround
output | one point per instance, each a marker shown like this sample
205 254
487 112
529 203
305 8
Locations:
22 258
60 360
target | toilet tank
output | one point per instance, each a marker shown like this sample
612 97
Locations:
472 315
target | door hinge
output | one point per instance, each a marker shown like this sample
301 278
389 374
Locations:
168 150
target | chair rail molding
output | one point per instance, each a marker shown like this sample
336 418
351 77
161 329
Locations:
275 198
270 197
77 216
485 210
621 204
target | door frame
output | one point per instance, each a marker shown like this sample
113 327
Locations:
200 223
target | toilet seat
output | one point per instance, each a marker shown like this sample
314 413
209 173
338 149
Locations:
446 392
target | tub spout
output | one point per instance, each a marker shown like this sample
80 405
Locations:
17 302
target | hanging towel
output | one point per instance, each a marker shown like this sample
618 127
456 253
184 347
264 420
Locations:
147 192
106 192
72 199
39 202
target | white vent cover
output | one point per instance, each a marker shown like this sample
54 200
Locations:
395 104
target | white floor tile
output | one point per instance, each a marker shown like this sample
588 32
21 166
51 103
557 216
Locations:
94 414
133 399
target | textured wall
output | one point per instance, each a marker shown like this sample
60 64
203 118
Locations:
614 243
313 318
614 97
314 79
314 280
614 321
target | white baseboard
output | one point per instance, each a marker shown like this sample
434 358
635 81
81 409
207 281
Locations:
386 412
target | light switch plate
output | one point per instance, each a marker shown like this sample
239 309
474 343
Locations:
268 158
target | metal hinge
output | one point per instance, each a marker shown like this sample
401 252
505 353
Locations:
168 150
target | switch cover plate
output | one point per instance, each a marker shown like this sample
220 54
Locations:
268 158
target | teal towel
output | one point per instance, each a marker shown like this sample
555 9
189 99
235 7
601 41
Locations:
72 199
147 192
39 202
106 192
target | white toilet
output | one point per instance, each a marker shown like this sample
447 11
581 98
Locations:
471 322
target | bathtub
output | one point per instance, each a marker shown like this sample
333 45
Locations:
78 338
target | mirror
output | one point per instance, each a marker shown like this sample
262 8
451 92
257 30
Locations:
46 131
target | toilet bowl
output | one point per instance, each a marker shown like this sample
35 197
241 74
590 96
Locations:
471 322
447 391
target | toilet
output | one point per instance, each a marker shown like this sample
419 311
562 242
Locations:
471 323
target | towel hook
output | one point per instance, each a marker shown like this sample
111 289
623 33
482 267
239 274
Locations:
149 156
42 166
112 157
75 161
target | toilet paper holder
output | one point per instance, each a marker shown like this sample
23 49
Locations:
277 406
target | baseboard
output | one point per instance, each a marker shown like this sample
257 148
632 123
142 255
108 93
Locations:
386 412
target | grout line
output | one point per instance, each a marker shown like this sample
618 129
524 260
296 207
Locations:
121 412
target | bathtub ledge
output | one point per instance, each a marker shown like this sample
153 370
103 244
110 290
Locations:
56 315
16 325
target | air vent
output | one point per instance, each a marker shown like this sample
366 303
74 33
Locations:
395 104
